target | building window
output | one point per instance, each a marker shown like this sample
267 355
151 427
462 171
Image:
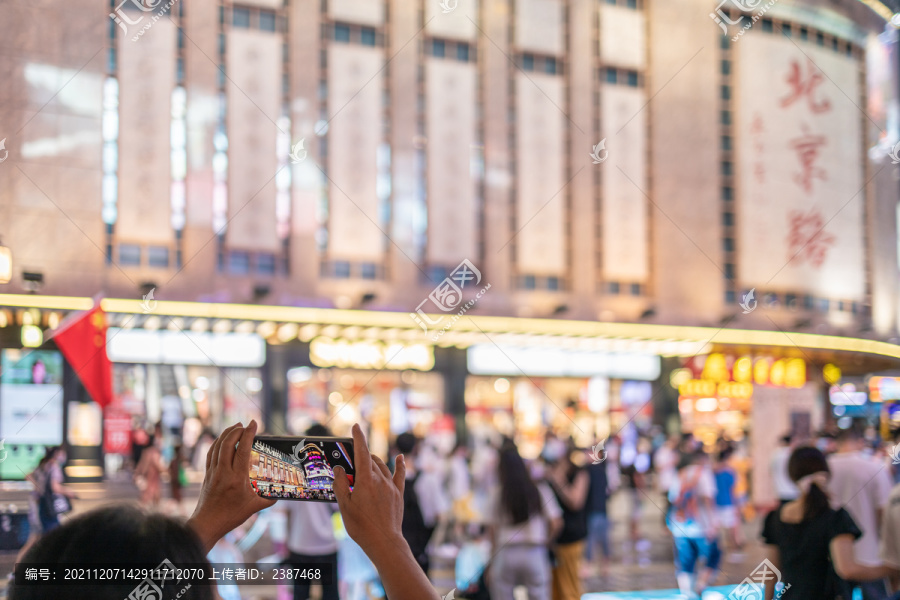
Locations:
726 143
633 78
529 282
265 263
728 244
367 36
726 67
550 66
824 304
726 117
726 92
768 26
611 75
727 169
786 30
528 62
368 270
727 194
437 274
804 33
240 17
462 52
342 33
635 289
342 269
728 219
730 297
808 302
267 20
158 257
553 283
130 255
729 271
613 287
239 262
438 48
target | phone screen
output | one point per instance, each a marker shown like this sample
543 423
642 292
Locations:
299 468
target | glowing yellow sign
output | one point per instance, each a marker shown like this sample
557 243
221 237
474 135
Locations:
370 354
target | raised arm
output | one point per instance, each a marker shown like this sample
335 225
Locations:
845 564
373 515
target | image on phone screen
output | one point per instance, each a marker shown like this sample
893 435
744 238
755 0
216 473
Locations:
295 468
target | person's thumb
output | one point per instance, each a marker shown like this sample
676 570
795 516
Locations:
341 487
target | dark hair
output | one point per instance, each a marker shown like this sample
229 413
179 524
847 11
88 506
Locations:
49 454
519 496
851 434
726 453
117 534
804 461
318 430
786 438
406 443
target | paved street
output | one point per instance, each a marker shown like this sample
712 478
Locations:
646 565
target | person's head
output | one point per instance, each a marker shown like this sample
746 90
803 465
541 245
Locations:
120 534
51 454
725 454
697 458
407 443
519 496
318 430
786 439
808 468
850 439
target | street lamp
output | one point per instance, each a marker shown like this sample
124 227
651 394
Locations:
5 264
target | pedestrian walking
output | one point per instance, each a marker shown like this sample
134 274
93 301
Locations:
525 519
811 543
569 483
597 518
693 525
862 485
148 473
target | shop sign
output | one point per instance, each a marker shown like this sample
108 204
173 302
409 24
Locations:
720 377
846 395
502 359
884 388
185 348
370 354
117 434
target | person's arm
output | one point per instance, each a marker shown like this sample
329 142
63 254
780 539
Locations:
574 494
555 527
227 498
844 559
373 515
774 556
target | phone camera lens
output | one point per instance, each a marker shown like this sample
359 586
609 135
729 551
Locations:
336 454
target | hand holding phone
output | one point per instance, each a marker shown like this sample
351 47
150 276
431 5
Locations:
299 468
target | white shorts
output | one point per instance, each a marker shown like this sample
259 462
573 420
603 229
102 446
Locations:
727 516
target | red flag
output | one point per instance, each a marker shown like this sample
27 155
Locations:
83 343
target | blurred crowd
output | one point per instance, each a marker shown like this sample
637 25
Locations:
543 522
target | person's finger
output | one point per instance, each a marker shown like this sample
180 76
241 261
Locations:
209 455
341 487
400 473
217 445
242 454
226 453
381 466
361 455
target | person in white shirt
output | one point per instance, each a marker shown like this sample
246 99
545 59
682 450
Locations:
311 537
785 489
862 486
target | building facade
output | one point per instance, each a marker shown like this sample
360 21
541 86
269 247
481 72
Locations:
624 182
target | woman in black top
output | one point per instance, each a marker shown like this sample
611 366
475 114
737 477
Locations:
570 485
810 542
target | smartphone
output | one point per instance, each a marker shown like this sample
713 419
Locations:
299 468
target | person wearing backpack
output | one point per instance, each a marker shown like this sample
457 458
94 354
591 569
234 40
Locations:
692 521
424 501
